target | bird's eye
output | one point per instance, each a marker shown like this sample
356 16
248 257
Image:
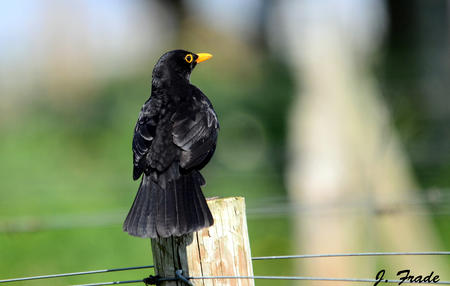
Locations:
188 58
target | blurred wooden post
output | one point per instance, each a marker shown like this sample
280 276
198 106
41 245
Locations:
221 250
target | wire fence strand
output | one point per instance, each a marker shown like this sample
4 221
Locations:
303 256
111 283
316 279
437 200
75 273
350 254
298 278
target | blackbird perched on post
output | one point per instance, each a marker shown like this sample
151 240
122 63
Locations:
174 138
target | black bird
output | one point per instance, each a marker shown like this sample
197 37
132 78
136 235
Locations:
174 138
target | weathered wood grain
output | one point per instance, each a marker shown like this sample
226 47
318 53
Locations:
222 249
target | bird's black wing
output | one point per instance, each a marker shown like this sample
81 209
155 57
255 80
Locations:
144 132
195 129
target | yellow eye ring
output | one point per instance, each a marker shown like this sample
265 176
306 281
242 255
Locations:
188 58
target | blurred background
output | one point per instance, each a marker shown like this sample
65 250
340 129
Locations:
334 126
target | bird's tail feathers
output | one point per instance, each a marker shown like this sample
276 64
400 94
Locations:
169 206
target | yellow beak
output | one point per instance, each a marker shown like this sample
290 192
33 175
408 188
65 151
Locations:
203 57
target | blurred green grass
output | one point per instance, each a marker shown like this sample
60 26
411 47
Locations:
73 160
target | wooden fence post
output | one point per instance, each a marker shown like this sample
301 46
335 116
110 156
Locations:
220 250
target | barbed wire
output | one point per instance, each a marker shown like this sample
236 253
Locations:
303 256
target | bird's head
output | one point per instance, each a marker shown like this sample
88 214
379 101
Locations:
175 65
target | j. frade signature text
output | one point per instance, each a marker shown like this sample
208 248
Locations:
406 276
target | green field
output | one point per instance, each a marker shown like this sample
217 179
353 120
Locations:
66 186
